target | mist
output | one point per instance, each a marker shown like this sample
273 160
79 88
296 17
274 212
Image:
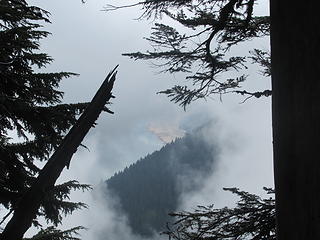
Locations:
244 161
144 121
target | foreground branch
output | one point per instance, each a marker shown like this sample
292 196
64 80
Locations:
265 93
27 207
253 218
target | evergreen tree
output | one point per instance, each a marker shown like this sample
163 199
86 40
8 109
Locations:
295 117
31 107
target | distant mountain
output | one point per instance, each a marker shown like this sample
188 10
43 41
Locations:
151 188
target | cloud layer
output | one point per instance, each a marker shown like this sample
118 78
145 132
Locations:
90 42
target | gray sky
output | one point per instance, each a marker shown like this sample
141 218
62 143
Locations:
88 41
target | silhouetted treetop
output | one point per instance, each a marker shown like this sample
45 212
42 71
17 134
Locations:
33 119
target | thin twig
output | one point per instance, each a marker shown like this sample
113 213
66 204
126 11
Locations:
110 7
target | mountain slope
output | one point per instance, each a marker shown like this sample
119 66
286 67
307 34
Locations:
151 188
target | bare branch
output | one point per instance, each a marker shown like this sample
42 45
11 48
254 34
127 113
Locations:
110 7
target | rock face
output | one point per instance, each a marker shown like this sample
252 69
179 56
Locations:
151 188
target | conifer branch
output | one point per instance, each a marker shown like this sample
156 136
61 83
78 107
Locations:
218 25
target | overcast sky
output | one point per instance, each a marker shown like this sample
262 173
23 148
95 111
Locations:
89 41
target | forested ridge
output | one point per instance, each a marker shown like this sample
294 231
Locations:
151 188
32 108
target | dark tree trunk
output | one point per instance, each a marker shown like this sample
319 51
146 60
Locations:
29 204
295 52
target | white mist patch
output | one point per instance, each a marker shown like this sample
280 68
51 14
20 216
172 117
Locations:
243 135
103 218
103 221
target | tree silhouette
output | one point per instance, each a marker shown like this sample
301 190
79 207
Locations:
252 218
28 206
31 107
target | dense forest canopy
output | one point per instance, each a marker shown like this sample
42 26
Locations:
151 188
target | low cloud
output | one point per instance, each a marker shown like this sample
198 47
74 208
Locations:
242 138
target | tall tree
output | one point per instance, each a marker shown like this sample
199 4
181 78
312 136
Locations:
296 110
31 108
28 206
222 24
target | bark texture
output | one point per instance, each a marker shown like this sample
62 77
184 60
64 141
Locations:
295 51
29 204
